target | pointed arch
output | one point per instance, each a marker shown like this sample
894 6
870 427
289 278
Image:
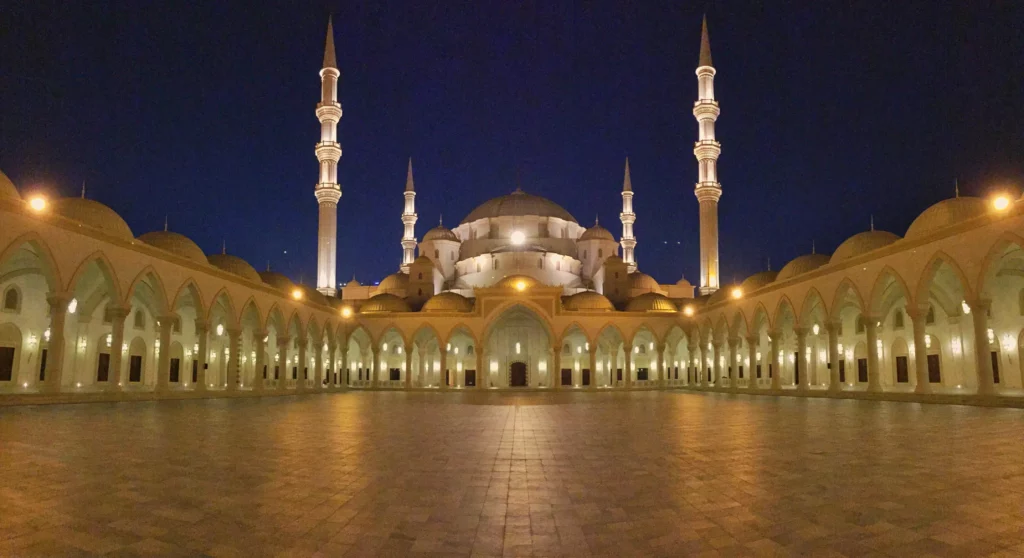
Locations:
294 324
106 269
889 285
762 320
1003 245
842 298
275 319
156 284
189 287
784 309
927 282
48 265
721 330
526 306
740 325
222 299
462 326
574 324
251 303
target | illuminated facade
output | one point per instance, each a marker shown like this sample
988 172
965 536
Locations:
517 295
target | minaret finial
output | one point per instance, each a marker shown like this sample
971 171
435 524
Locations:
769 263
268 265
440 220
330 61
596 220
627 183
956 187
83 189
813 251
165 223
705 44
224 250
872 221
409 186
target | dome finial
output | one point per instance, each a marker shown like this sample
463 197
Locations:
268 265
813 251
224 250
769 263
705 44
440 220
956 187
596 222
627 183
409 186
872 221
83 189
330 61
165 222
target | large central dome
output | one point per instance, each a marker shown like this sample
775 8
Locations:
518 204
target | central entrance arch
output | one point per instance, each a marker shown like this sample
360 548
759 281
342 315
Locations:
517 374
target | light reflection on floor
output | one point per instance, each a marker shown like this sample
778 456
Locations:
491 474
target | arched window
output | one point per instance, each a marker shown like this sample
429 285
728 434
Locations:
140 320
929 318
643 349
566 349
1021 302
419 275
584 254
437 254
495 263
478 267
419 292
600 252
558 266
12 300
897 320
176 325
451 256
494 230
469 350
860 324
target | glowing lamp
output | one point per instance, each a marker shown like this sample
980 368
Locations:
346 311
688 310
815 329
1001 202
518 238
297 294
37 204
520 286
737 293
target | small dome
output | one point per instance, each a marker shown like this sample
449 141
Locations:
440 232
801 264
597 232
277 280
513 282
862 243
353 283
313 295
423 260
177 244
756 281
94 214
394 282
447 302
642 281
722 294
384 302
587 301
682 282
7 188
235 265
651 302
518 204
946 213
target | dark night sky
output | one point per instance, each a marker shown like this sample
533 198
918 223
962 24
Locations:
831 111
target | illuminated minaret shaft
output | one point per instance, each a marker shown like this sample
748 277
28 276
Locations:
409 221
328 152
628 241
707 150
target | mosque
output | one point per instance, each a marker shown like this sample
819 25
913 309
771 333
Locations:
518 295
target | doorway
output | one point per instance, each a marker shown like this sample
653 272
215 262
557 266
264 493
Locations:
517 374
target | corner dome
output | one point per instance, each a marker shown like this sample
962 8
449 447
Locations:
447 302
7 188
587 301
801 264
721 295
440 232
756 281
277 280
862 243
597 232
946 213
642 281
177 244
518 204
94 214
682 282
234 265
512 282
651 302
394 282
313 295
386 302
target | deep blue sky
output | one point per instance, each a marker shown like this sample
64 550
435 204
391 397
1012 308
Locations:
831 111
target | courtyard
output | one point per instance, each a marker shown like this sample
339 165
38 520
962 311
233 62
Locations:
511 474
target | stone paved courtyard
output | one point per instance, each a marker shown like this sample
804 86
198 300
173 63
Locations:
460 474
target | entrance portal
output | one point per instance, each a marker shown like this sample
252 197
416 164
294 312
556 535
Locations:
517 374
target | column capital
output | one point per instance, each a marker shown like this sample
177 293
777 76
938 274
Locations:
118 311
283 340
753 339
59 300
202 325
801 331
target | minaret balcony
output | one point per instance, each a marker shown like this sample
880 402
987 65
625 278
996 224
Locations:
707 149
706 108
328 151
328 111
327 193
708 191
627 218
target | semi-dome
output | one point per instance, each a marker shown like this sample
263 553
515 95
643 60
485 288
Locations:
757 280
277 280
94 214
440 232
7 188
384 302
862 243
394 282
597 232
946 213
641 281
177 244
587 301
514 282
518 204
447 302
651 302
801 264
234 265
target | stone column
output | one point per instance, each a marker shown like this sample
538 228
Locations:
117 317
341 361
982 353
55 350
163 367
300 374
627 372
702 360
801 359
260 346
282 363
717 364
318 367
662 376
374 366
332 371
734 362
444 366
694 356
234 362
753 342
482 377
874 374
408 370
776 370
834 357
593 366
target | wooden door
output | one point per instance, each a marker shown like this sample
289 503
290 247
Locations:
934 373
517 374
902 376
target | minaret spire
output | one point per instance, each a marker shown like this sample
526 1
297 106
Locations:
165 223
328 153
706 150
409 222
628 241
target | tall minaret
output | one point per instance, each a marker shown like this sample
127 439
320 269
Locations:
328 152
627 217
409 220
707 150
